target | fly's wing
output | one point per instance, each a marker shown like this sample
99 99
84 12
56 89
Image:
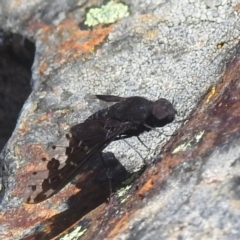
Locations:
89 133
103 114
110 98
88 139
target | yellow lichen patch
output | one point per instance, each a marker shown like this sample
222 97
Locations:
106 14
151 34
210 94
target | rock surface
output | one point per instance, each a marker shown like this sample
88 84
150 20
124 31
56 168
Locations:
179 50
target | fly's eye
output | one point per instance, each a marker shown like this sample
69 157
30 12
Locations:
162 108
159 111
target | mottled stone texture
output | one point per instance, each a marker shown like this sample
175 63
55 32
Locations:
16 59
185 51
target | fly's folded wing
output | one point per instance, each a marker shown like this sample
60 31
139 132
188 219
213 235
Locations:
110 98
88 140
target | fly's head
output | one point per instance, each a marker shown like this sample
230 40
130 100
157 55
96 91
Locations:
163 112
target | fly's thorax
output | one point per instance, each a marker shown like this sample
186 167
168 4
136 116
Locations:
133 109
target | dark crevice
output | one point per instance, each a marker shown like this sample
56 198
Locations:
16 59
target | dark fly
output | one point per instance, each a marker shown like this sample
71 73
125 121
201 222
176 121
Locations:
126 118
138 113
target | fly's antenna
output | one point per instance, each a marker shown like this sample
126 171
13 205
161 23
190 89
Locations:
155 130
173 101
